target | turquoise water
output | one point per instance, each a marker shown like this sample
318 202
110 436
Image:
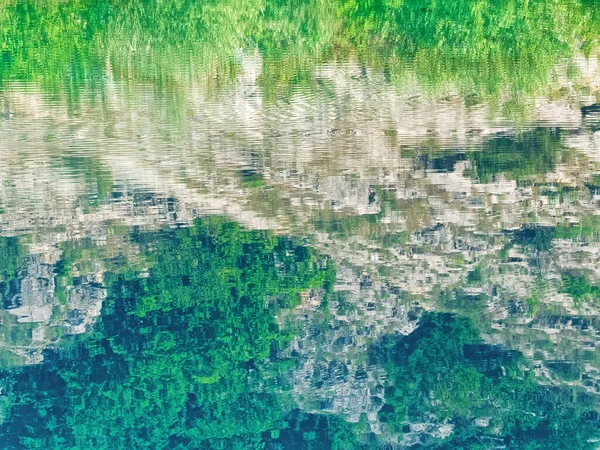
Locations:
299 225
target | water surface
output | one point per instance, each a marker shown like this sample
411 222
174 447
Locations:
299 225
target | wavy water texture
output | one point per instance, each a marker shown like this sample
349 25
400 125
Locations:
299 224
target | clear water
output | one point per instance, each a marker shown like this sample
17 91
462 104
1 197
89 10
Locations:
299 224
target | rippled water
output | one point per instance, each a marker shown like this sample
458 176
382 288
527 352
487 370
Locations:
299 225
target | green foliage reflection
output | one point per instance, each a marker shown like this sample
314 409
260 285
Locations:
534 152
488 395
482 46
180 355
